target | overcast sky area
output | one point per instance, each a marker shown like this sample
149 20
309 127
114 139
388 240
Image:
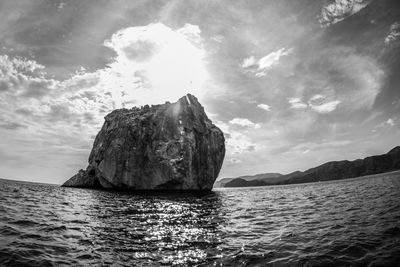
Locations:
292 84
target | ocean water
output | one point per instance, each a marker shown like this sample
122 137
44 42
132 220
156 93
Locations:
352 222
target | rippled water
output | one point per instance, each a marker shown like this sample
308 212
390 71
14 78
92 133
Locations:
351 222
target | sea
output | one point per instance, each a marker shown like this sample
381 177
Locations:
353 222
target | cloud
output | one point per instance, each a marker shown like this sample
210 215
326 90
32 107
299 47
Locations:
264 107
40 107
237 142
11 125
192 33
344 75
235 161
297 103
154 64
339 10
317 98
320 104
23 77
304 148
265 63
325 107
244 123
218 38
20 65
38 87
272 58
385 125
60 112
394 33
390 122
248 62
61 5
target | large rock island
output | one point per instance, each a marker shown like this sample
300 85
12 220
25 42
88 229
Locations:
162 147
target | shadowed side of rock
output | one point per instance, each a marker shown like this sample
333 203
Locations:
162 147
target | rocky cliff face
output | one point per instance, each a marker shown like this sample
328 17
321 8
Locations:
162 147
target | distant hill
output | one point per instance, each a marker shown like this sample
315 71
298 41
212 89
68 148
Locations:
333 170
257 177
239 182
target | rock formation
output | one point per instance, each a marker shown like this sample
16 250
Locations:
334 170
162 147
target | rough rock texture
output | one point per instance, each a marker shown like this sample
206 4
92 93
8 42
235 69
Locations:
162 147
333 170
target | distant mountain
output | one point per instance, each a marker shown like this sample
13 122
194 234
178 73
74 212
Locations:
239 182
257 177
334 170
261 176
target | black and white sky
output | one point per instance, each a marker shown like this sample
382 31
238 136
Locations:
292 83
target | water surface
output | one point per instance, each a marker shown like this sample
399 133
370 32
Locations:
352 222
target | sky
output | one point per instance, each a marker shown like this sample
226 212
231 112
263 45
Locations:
292 83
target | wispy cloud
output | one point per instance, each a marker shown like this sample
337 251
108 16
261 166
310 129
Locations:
325 107
244 123
320 104
317 103
385 125
304 148
261 66
342 74
297 103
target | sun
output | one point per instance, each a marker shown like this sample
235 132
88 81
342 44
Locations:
155 63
